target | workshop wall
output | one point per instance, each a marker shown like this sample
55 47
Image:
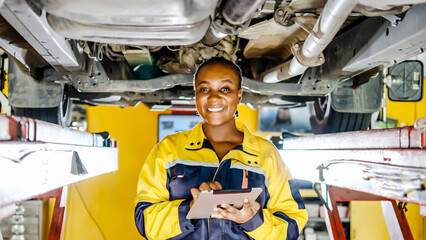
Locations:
102 207
407 112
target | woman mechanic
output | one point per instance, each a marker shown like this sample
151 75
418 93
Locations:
218 153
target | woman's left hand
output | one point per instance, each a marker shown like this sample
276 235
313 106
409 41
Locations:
239 216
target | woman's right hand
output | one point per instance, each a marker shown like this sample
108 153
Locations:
213 185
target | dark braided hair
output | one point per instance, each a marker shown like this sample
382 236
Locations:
224 61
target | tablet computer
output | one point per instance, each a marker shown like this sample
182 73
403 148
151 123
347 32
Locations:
208 200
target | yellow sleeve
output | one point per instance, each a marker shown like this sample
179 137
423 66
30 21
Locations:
285 215
156 217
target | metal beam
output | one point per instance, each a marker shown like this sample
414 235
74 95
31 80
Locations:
36 157
394 216
374 43
55 49
406 137
100 82
388 163
392 44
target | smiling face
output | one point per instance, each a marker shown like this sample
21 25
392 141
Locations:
217 93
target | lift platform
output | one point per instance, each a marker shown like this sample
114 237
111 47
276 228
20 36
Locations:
387 165
38 158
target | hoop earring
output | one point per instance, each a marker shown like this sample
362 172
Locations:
237 114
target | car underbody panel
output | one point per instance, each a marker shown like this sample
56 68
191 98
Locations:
101 52
146 23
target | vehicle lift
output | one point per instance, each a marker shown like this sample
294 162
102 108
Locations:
39 159
387 165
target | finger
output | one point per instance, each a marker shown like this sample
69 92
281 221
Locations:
217 215
229 208
225 214
216 211
204 186
195 192
246 204
218 185
222 212
212 186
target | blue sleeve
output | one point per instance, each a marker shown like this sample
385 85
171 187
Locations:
185 224
255 222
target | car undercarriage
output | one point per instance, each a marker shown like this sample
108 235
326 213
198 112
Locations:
330 55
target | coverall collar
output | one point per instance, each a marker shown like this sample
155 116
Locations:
196 139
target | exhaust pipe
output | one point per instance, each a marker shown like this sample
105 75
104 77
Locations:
310 53
234 13
237 12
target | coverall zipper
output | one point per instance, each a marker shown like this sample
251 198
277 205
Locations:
217 170
214 177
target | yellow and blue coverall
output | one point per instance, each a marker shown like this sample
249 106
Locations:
184 160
